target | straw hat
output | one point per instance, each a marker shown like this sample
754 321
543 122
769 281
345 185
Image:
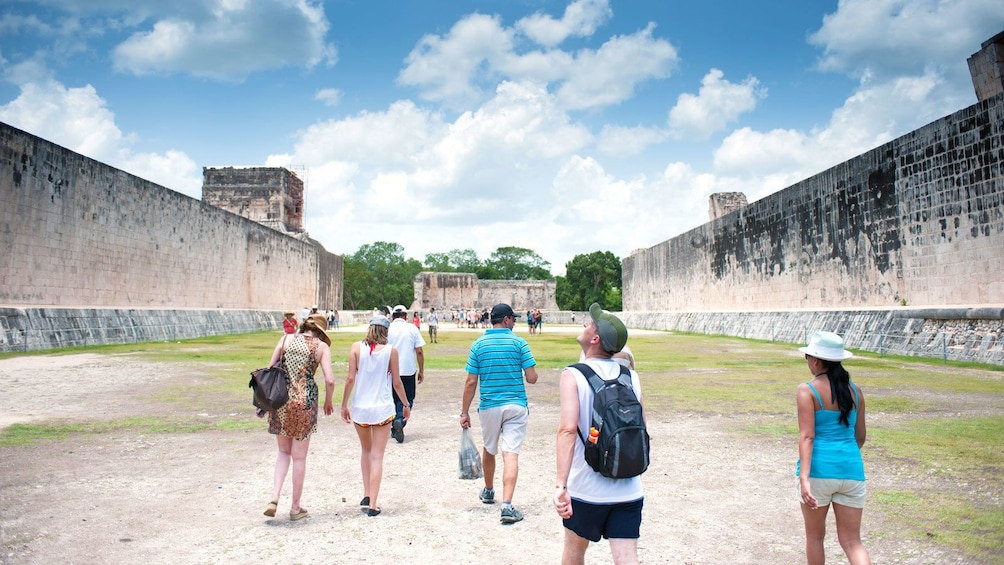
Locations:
321 321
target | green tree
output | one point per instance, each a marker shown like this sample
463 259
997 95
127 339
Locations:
454 261
595 277
515 263
378 273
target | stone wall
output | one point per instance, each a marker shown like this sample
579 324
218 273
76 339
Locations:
917 221
77 232
271 196
957 334
452 291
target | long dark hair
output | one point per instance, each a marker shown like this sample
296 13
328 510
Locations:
840 390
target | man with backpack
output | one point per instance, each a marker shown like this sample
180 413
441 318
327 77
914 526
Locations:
602 445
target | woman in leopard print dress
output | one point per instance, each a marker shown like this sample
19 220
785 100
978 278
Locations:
295 421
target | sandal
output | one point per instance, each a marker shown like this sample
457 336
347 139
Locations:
365 501
301 513
373 512
271 508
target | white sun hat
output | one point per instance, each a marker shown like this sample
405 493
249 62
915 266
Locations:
828 346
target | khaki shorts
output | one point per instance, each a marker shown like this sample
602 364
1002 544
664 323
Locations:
844 492
503 427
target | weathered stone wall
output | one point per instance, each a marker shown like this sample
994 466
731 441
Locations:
986 67
452 291
958 334
918 221
76 232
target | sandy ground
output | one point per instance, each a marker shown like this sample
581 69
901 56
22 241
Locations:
713 495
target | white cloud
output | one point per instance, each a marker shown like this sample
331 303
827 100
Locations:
478 51
329 96
79 119
894 37
619 141
444 67
717 103
231 41
581 19
610 74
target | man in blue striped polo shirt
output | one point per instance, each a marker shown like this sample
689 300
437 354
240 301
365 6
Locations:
498 361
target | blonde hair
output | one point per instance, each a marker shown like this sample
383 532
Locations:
376 334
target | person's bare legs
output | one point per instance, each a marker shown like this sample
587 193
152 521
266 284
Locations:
574 552
815 531
299 455
488 468
282 460
378 445
849 534
366 445
510 472
624 551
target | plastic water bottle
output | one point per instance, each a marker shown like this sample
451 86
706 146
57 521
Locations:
594 435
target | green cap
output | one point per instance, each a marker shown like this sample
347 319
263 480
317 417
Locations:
613 334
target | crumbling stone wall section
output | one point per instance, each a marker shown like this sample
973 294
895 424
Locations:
722 203
986 67
79 233
918 221
271 196
452 291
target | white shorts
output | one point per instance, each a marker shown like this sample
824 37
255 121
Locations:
845 492
503 427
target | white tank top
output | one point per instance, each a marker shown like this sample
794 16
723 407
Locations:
372 399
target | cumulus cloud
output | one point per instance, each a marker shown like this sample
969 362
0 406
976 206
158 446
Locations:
894 37
479 51
79 119
716 104
581 19
229 41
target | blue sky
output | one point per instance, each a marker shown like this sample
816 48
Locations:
563 127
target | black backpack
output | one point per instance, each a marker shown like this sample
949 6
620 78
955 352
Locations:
621 449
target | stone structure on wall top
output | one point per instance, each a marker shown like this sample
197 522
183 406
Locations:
986 67
723 203
271 196
451 291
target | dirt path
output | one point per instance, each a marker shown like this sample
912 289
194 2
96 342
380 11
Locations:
713 496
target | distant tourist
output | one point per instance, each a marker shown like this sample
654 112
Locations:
498 361
407 340
294 422
288 323
831 431
432 320
373 374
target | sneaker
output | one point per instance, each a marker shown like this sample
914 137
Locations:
510 515
487 495
397 430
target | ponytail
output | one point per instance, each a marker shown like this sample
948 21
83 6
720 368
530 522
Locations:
840 389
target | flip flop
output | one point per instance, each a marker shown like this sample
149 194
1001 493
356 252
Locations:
301 513
272 506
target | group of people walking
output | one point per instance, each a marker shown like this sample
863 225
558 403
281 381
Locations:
386 366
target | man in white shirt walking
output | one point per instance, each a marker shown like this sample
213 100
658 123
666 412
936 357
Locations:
407 339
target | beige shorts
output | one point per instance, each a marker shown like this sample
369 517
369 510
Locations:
503 427
844 492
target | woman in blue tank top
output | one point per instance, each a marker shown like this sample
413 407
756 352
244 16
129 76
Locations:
831 431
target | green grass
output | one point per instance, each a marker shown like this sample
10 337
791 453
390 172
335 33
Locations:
945 519
693 374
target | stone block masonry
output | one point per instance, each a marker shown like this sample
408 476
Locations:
917 221
79 233
452 291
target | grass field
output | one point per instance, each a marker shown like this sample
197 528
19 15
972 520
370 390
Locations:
939 429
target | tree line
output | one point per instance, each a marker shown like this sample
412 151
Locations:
379 273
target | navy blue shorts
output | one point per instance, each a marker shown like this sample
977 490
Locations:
592 521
